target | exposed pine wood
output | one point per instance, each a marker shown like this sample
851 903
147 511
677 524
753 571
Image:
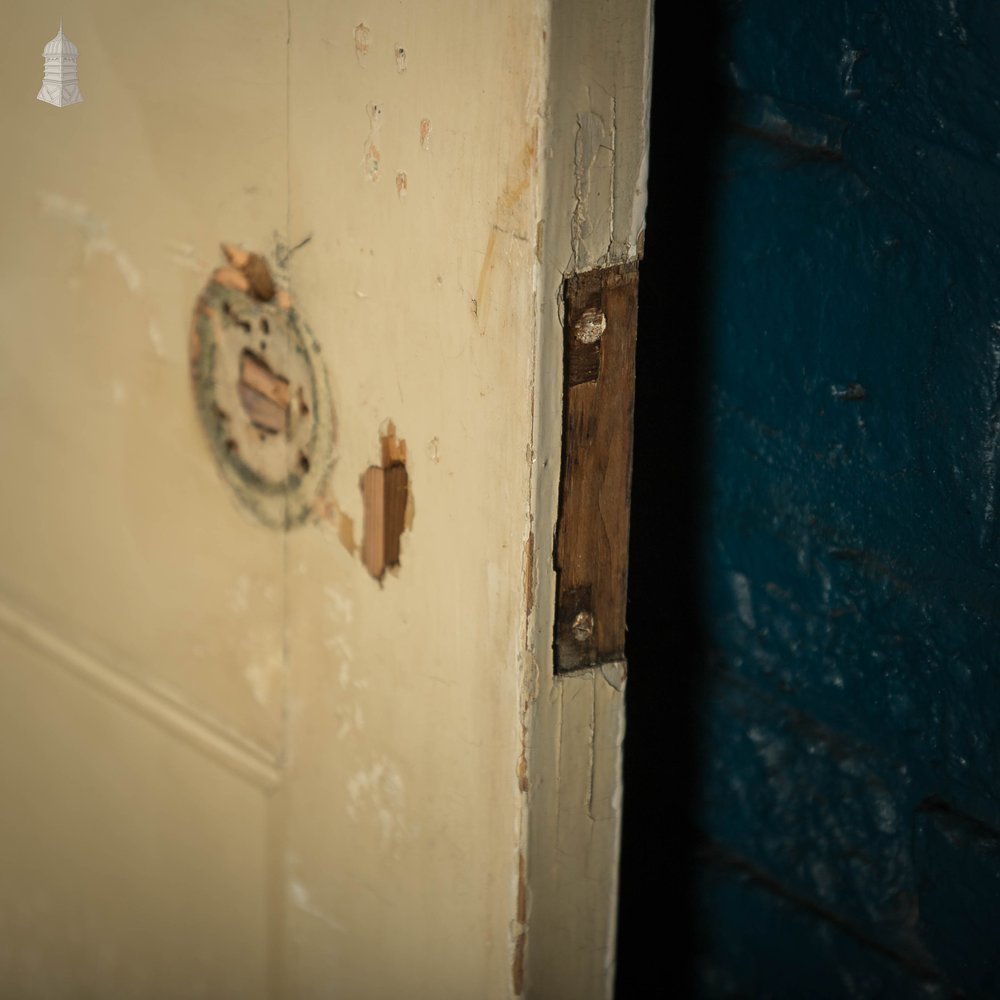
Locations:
373 542
384 493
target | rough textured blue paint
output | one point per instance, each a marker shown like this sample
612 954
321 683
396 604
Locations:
851 762
959 864
785 951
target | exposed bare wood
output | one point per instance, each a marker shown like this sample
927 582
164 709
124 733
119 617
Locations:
591 554
384 492
261 283
257 375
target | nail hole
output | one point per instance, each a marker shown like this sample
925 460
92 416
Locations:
590 327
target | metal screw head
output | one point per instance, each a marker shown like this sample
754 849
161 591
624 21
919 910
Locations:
590 327
583 626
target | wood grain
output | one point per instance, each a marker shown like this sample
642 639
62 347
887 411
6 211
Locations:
384 493
591 551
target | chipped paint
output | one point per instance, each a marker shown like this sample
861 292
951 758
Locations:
615 673
270 429
339 607
261 674
97 235
445 701
595 137
362 42
345 532
388 505
301 900
591 138
377 794
523 784
339 643
352 720
372 159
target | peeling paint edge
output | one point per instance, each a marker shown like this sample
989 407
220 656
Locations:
640 200
551 784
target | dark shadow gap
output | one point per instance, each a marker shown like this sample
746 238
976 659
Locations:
657 935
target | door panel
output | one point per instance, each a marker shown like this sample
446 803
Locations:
124 875
116 533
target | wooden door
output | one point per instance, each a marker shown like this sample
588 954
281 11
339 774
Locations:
267 701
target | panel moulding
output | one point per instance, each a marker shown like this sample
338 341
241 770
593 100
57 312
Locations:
243 758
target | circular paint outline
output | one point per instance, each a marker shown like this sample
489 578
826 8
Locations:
285 503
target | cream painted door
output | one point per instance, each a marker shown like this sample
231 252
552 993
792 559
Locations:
235 763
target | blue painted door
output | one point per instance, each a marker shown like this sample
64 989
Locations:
851 765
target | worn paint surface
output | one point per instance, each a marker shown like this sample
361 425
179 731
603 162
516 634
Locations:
388 506
852 793
422 779
262 392
266 774
263 774
600 65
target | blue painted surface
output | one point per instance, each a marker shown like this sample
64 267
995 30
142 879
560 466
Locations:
852 787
